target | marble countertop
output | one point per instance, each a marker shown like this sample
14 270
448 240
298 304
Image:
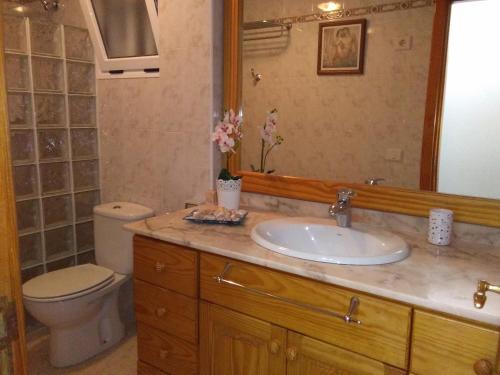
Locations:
441 278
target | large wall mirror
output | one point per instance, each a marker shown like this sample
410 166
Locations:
358 102
339 126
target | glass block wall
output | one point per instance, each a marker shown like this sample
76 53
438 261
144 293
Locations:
52 117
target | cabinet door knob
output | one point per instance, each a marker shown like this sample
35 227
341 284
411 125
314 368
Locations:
160 312
163 353
274 346
483 367
159 267
291 354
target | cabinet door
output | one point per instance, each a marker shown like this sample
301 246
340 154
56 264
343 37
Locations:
384 334
446 346
145 369
236 344
307 356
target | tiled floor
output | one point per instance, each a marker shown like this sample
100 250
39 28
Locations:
120 360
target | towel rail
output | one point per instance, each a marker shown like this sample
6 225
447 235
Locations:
347 317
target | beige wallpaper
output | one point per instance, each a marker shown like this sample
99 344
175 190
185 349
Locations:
155 145
339 127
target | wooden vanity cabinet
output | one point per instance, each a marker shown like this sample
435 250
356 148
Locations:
166 265
166 352
307 356
444 345
234 343
144 369
190 320
166 307
311 308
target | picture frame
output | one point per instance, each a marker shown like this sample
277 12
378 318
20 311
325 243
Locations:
341 47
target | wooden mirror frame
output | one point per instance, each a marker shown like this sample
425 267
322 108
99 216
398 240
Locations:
383 198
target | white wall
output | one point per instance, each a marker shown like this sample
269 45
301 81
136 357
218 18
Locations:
469 160
155 132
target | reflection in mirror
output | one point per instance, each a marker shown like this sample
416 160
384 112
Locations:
469 161
337 126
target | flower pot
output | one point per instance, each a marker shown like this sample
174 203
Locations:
228 193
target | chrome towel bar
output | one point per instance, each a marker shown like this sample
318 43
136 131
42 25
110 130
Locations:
347 318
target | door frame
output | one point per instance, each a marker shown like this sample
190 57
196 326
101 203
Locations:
10 270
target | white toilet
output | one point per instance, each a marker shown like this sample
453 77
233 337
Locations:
80 304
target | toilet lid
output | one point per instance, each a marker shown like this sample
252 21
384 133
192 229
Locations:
67 281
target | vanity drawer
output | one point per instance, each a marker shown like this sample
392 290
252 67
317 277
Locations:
166 265
145 369
166 352
316 357
383 334
167 311
442 345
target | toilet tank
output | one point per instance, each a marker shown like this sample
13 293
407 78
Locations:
113 244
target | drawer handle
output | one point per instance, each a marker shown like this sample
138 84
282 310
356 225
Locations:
160 312
274 347
480 295
163 353
291 354
348 318
159 267
483 367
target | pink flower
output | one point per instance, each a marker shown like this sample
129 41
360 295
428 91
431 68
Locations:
270 127
227 133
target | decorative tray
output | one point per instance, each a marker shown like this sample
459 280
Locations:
217 215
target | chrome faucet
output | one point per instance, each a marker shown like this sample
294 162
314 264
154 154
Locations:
341 210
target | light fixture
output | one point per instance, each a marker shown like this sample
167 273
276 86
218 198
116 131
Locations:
329 6
19 9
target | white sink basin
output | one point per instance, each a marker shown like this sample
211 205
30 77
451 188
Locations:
321 240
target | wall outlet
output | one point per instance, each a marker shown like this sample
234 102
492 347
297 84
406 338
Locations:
394 154
403 43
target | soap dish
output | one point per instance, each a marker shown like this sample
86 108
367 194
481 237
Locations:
217 215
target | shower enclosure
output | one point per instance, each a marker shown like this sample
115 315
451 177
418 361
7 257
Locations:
51 101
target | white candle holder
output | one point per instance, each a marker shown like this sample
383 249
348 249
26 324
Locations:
440 226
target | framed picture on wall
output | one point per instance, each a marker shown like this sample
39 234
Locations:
341 47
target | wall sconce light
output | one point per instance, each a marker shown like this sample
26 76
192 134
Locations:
329 6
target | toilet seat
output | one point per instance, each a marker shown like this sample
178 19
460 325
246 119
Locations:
67 283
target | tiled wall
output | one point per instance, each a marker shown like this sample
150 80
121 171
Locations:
52 118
